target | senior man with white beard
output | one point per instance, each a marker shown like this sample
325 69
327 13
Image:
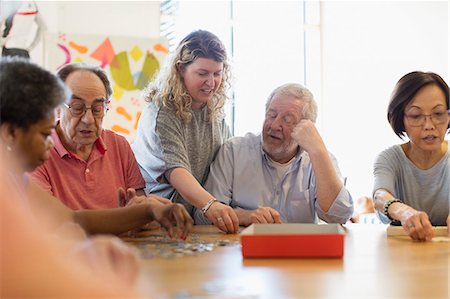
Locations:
285 174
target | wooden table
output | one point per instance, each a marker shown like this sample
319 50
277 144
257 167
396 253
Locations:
373 266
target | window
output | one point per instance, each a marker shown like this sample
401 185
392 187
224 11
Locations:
269 43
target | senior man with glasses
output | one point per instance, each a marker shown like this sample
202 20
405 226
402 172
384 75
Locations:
88 164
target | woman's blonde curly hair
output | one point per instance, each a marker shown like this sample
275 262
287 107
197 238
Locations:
168 89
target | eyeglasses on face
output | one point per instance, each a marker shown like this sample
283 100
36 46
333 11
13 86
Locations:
98 109
437 117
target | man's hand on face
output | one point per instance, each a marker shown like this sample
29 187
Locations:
306 135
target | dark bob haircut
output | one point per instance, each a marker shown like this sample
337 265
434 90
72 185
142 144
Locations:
405 90
68 69
28 93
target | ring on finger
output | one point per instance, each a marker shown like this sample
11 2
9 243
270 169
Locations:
219 219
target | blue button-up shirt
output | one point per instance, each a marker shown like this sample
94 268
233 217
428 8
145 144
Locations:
243 176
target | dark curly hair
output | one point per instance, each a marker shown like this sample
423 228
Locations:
28 93
405 90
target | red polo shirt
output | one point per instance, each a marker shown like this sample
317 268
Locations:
90 184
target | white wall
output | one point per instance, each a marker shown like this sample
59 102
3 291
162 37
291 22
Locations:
118 18
367 47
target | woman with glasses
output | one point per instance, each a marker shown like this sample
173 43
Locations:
88 164
412 180
182 128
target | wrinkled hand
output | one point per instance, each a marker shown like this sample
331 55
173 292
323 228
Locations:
224 217
172 217
260 215
417 225
109 256
306 135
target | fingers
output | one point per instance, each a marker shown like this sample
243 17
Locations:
224 217
265 215
270 214
183 220
419 227
159 198
136 200
235 220
121 197
229 218
427 233
131 193
151 225
224 223
165 222
168 215
275 215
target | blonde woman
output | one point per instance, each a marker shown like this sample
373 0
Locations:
182 128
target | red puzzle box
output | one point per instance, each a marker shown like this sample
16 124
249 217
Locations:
293 240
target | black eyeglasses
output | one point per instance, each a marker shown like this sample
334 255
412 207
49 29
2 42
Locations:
98 109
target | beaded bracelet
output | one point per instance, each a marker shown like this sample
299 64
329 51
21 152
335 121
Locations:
386 206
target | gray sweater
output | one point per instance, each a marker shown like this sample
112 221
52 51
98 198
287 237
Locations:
424 190
165 142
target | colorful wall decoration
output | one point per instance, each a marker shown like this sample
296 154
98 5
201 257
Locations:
129 62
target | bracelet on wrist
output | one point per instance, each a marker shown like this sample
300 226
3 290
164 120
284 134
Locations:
208 205
386 206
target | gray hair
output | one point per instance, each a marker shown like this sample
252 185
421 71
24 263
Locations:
68 69
299 92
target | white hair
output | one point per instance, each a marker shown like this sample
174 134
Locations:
299 92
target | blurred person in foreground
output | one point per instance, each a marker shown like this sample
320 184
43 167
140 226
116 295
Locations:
28 98
38 263
45 251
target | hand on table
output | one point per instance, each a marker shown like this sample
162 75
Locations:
417 225
129 198
224 217
260 215
172 217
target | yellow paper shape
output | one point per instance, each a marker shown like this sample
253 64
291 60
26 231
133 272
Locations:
136 53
